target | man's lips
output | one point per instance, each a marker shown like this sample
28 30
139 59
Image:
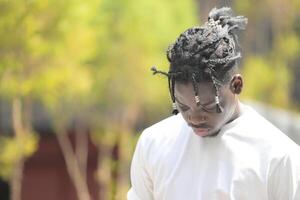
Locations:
200 129
199 126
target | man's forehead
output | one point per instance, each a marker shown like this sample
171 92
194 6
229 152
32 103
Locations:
186 90
201 84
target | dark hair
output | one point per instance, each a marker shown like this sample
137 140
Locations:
205 53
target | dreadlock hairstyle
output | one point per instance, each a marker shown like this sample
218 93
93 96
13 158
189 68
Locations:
205 53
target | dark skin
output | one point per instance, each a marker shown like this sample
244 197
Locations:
203 119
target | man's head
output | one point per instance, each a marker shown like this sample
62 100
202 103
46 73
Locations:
203 79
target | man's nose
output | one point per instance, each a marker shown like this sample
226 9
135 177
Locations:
197 116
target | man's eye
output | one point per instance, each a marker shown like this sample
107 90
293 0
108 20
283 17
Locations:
210 106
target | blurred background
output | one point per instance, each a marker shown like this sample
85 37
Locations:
76 88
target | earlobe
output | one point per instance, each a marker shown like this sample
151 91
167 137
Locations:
236 84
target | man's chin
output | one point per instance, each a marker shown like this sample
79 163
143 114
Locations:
214 134
206 132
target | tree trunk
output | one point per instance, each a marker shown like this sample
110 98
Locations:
82 142
73 167
19 133
115 155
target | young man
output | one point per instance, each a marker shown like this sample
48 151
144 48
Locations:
216 148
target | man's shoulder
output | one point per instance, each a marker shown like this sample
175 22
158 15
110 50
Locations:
258 130
164 127
164 132
167 122
255 122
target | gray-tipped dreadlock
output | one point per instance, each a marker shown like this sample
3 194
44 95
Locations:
205 53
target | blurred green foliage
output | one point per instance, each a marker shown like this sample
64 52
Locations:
271 45
89 59
265 85
11 150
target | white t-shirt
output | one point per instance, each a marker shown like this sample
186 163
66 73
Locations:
249 159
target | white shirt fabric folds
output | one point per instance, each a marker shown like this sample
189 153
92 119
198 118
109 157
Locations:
250 159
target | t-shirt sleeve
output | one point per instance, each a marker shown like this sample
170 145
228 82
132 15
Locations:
141 183
284 182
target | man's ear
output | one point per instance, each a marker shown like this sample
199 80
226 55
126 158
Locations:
236 84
